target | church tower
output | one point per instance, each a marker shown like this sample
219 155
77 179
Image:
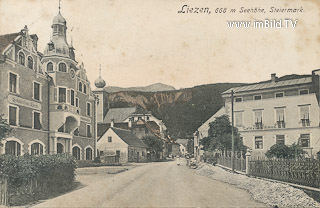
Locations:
102 107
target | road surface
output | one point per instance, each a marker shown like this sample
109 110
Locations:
156 185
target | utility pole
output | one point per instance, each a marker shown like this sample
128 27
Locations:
232 135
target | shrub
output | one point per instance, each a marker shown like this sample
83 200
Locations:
284 151
32 178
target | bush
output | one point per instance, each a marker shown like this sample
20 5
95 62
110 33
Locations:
31 178
284 151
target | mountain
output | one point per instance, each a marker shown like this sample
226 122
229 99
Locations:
182 111
158 87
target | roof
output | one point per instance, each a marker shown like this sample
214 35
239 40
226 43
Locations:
118 114
7 39
270 85
129 137
182 141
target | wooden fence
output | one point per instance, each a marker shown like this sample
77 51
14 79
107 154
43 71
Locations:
3 192
224 159
304 171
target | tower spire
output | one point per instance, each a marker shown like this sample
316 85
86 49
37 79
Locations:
100 71
59 5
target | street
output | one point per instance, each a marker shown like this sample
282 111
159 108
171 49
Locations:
156 185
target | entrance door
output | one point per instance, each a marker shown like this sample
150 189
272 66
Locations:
59 148
137 156
117 156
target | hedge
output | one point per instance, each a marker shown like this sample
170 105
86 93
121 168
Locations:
31 178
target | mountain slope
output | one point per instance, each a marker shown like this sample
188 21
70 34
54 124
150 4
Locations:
158 87
182 111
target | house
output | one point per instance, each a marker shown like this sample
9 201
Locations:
183 146
123 144
45 97
278 111
202 132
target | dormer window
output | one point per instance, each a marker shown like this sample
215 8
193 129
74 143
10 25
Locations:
62 67
21 58
51 46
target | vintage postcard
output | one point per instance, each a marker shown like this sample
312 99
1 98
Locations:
159 103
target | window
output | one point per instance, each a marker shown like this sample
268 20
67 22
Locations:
279 94
50 67
280 118
62 67
13 116
62 95
89 131
109 139
303 92
280 139
238 99
88 109
21 58
88 153
238 118
305 140
257 97
304 115
36 149
36 91
80 86
60 148
77 102
13 83
76 153
258 142
258 119
30 62
13 148
37 120
72 97
85 88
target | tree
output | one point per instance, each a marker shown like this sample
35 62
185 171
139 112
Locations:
190 146
284 151
219 136
155 145
5 128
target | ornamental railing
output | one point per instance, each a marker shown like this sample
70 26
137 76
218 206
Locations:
224 159
65 108
303 171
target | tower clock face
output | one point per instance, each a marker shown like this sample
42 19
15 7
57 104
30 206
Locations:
72 73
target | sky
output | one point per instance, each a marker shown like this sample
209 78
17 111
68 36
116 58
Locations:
142 42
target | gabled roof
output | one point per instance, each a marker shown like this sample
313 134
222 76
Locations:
118 114
7 39
129 137
270 85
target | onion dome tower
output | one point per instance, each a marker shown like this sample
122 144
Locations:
100 83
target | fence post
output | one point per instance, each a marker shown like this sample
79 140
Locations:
248 155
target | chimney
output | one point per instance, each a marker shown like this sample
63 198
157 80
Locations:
273 78
112 122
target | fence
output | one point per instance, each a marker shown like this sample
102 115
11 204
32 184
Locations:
224 158
304 171
3 192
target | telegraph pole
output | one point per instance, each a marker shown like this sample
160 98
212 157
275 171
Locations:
232 134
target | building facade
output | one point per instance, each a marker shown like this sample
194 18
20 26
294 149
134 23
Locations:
279 111
47 98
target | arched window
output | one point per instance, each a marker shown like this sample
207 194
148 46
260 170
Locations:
76 153
59 148
30 62
36 149
88 153
80 86
62 67
50 67
85 88
13 148
21 58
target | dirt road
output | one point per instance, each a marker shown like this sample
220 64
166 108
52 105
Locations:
156 185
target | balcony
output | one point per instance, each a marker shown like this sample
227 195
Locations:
65 108
305 122
281 124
